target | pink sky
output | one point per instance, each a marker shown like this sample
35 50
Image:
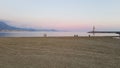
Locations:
62 14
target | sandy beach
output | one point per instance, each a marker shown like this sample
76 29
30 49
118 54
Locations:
59 52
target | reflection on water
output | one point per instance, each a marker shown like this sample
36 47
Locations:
49 34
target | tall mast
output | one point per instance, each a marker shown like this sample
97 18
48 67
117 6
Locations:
93 30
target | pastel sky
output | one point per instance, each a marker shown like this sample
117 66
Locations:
73 15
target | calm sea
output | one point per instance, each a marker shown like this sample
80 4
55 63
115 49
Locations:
48 34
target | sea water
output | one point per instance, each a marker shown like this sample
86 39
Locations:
49 34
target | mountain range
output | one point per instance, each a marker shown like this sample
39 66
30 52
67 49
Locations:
5 27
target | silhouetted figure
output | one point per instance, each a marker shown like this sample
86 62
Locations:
45 35
75 35
89 36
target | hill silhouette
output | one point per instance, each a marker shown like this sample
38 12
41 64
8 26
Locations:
5 27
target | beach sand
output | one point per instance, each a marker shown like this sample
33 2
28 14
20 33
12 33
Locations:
60 52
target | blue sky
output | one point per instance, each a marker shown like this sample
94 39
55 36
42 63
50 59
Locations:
73 15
